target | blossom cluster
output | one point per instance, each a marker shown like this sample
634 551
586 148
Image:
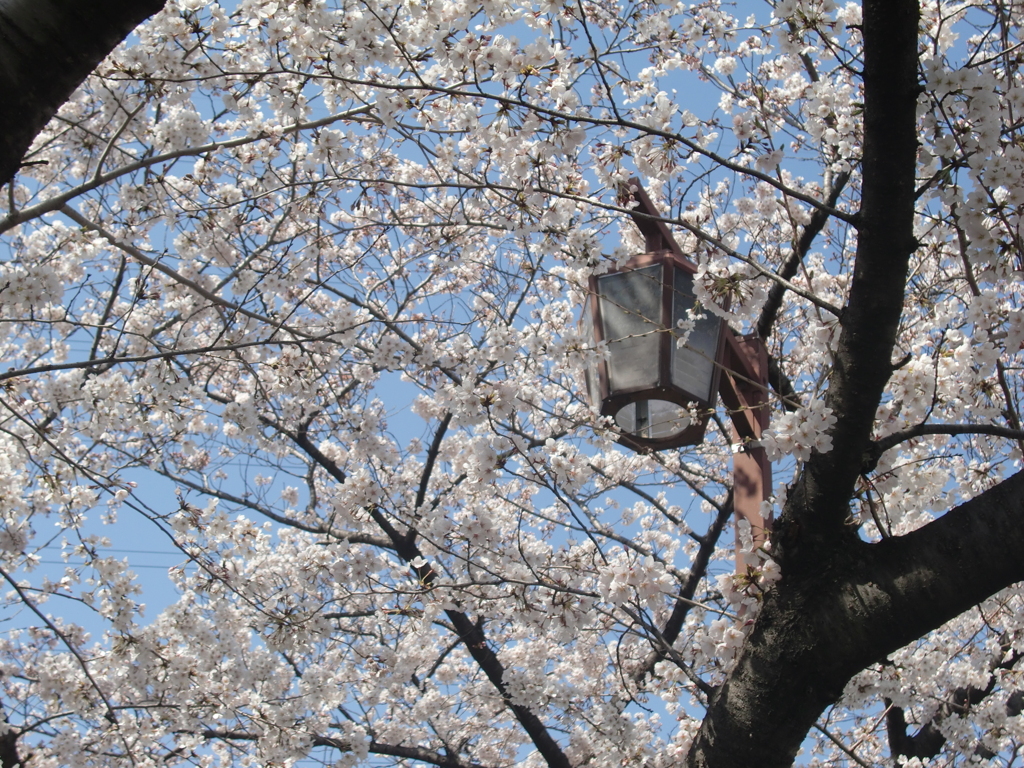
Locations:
800 432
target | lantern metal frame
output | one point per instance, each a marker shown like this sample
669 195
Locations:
663 388
660 248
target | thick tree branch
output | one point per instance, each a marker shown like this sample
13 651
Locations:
925 743
941 570
826 620
815 633
49 47
929 740
779 381
9 755
815 516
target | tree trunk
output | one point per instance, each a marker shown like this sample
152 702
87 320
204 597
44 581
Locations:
814 634
47 48
842 603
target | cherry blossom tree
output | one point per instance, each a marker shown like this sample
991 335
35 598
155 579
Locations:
319 265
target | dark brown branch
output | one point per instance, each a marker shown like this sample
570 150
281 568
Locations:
698 570
9 755
814 520
815 633
428 466
420 754
49 48
779 381
770 310
925 743
335 616
880 446
843 604
929 740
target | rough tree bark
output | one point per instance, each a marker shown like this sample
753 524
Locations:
842 603
47 48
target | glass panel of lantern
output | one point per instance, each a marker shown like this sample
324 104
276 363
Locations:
694 353
630 306
593 376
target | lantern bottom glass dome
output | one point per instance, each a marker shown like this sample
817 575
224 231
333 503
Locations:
653 419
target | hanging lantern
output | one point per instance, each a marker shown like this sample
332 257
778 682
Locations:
657 381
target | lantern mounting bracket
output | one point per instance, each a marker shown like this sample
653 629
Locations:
645 215
742 386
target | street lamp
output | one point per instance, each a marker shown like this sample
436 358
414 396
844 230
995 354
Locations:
658 382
